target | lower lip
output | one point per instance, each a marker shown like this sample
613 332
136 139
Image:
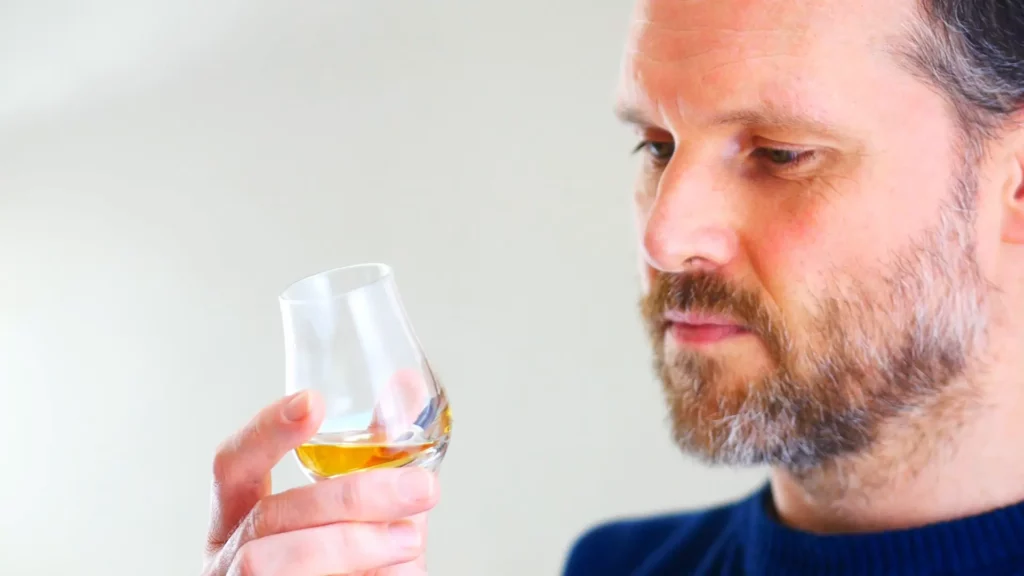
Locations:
696 334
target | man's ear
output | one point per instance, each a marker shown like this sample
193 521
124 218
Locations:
1012 193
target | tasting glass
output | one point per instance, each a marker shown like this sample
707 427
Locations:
348 337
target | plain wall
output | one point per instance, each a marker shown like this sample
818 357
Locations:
168 167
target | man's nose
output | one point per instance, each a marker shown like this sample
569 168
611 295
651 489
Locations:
691 224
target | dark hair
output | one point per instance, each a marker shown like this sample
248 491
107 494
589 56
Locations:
973 52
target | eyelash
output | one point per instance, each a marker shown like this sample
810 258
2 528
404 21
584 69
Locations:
648 143
800 158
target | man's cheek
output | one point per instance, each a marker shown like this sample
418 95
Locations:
792 256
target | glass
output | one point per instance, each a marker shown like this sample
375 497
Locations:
348 337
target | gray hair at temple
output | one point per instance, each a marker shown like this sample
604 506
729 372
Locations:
973 52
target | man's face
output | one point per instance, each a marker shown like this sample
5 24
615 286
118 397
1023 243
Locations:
808 225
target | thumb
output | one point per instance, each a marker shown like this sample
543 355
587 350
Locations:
241 468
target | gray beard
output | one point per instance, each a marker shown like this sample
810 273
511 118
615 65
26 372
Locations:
886 345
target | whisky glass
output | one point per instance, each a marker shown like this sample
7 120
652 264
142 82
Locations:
348 337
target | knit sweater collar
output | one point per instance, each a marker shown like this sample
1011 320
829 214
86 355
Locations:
964 546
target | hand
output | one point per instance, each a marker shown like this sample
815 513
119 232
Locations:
368 523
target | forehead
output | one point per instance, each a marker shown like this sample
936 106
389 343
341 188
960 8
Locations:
695 59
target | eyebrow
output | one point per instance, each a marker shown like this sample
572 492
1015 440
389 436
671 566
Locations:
770 117
632 115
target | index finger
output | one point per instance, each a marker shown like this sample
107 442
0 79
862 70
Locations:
381 495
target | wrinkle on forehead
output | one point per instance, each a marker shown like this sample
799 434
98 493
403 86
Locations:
661 27
705 56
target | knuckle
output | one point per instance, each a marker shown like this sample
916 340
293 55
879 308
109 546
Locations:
308 549
350 496
369 546
349 542
245 561
261 520
223 462
230 455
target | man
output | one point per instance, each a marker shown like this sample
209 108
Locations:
831 218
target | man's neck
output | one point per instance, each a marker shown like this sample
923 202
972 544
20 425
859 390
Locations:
960 457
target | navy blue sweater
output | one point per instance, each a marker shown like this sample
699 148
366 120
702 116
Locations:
744 538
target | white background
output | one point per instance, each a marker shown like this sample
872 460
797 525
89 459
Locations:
167 167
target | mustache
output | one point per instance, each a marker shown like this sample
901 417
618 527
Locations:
710 293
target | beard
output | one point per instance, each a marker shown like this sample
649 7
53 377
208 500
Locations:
877 343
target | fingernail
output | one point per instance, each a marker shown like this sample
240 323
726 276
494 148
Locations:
415 485
297 408
405 535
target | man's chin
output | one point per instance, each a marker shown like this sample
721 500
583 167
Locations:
721 372
731 420
743 442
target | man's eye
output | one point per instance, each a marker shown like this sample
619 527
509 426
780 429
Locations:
783 157
659 151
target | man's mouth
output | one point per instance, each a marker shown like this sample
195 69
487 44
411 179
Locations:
698 328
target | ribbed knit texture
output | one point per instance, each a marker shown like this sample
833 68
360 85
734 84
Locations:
744 539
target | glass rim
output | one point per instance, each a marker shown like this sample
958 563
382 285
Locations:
386 272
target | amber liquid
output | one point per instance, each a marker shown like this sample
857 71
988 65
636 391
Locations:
325 459
329 455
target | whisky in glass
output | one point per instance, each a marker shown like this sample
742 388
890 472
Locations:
349 338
